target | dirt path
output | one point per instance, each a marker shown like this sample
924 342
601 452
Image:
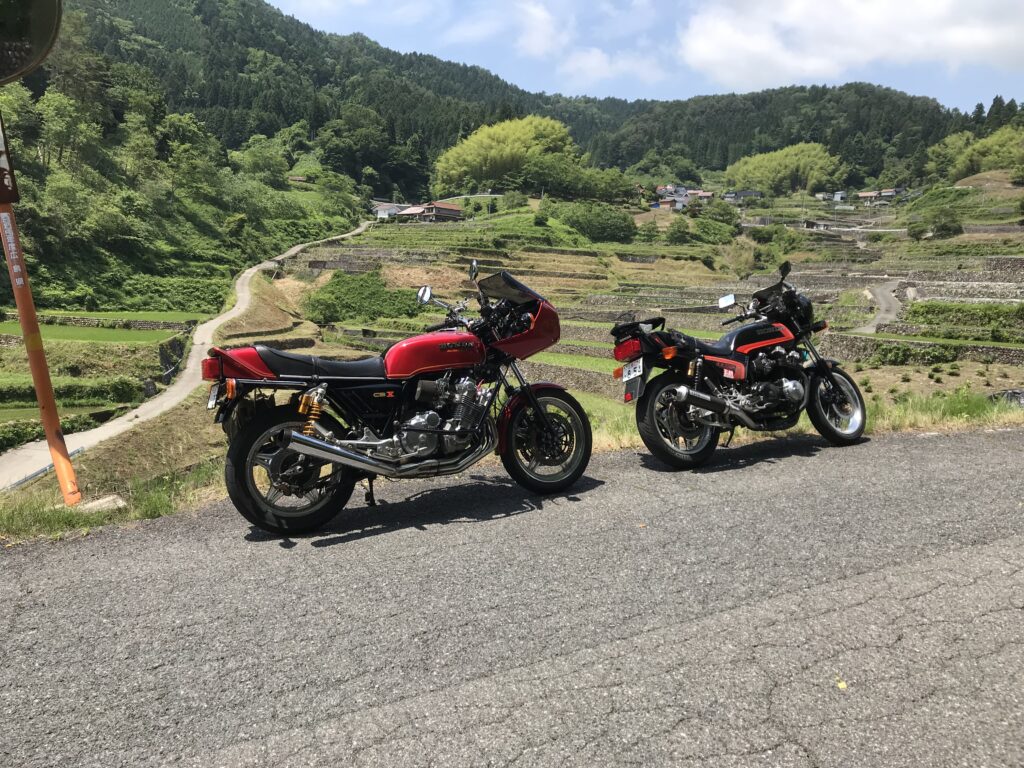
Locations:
888 306
23 462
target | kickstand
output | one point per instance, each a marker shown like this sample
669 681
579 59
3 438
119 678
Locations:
371 500
728 442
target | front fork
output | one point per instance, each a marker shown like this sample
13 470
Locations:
531 396
821 365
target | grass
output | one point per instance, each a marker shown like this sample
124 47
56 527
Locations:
166 317
32 413
102 335
583 362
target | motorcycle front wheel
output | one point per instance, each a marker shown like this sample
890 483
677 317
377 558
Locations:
548 460
666 429
278 490
837 410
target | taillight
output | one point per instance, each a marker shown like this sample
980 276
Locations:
627 351
211 369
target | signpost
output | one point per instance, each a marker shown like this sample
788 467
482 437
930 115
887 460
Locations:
28 29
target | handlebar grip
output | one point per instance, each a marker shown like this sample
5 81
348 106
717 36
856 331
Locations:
732 320
438 327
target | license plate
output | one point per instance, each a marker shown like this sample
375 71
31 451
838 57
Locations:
633 370
214 394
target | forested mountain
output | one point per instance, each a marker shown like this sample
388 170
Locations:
245 68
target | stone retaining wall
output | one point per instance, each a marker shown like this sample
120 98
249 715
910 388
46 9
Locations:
104 322
10 341
1007 267
574 378
859 348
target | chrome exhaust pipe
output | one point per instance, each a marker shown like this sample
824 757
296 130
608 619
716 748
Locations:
335 454
687 396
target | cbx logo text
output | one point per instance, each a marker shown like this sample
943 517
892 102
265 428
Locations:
456 345
389 393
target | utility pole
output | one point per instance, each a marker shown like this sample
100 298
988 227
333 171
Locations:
27 33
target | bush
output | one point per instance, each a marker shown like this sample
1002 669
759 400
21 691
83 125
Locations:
599 222
15 433
946 223
540 219
648 232
679 231
359 297
917 230
1017 176
512 200
713 232
722 212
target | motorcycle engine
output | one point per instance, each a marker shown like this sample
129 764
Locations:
779 382
464 408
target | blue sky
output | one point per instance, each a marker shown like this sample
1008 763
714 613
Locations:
960 53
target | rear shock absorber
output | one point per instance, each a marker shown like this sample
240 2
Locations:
311 405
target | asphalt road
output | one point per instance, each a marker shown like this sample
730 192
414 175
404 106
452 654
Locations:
791 605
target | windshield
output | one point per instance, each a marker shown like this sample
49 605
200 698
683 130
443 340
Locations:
504 286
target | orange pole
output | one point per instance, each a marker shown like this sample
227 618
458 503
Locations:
37 356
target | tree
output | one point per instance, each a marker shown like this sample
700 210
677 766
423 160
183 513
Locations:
648 232
678 232
946 223
803 166
738 258
721 211
496 156
917 230
67 130
263 159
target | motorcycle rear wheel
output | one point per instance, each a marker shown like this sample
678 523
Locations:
279 490
667 434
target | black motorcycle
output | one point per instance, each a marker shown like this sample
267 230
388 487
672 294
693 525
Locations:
761 376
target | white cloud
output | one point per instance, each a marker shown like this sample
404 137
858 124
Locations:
586 66
542 33
749 44
476 29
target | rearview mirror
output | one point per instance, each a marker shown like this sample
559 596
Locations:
784 269
727 301
425 294
28 30
474 270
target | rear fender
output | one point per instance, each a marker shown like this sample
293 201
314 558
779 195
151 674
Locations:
514 403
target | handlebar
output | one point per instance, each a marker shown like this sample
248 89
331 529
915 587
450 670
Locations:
437 327
732 320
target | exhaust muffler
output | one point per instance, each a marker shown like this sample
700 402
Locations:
335 454
688 396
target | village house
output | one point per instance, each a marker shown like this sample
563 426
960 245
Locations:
384 211
741 195
430 213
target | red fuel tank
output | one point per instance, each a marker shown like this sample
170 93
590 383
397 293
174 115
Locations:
437 351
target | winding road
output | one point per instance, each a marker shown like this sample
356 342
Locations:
791 604
888 306
17 464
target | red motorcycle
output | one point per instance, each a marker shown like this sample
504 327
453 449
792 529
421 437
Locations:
304 430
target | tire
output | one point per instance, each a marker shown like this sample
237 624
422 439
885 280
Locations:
525 457
246 477
668 436
839 422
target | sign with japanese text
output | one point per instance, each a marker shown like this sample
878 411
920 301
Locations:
8 185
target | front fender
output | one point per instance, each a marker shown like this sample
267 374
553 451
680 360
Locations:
514 402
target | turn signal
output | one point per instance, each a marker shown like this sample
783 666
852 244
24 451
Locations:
617 373
669 353
231 388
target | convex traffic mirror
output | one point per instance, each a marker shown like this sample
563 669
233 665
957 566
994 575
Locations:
28 30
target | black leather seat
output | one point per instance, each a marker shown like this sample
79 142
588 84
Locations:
307 366
720 348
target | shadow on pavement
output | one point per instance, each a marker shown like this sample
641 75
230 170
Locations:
760 452
478 501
